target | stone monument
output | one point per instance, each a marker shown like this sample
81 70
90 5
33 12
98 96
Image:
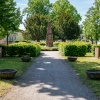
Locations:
49 36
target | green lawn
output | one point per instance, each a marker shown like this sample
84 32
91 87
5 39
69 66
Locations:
84 63
80 66
14 63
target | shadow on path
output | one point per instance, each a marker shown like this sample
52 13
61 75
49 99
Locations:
52 76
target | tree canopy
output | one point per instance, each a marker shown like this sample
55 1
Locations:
63 16
36 26
65 19
38 6
36 21
10 16
92 22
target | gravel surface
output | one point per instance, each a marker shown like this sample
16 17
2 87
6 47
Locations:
49 78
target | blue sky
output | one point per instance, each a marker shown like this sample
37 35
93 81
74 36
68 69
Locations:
82 6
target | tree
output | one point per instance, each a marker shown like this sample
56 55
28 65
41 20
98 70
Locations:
38 6
88 29
10 17
65 19
92 22
26 35
37 17
2 31
36 26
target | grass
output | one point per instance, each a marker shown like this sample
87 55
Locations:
14 63
80 66
84 63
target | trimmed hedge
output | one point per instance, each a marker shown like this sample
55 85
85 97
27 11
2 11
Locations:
21 49
41 43
49 48
89 47
73 48
56 44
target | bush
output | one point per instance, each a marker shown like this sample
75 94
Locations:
24 41
16 41
49 48
42 43
89 47
56 44
21 49
73 49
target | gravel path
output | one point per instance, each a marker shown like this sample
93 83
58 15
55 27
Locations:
49 78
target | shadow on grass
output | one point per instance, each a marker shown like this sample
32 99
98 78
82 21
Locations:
54 76
80 68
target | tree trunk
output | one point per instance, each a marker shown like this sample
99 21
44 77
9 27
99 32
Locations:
91 40
96 38
96 41
7 39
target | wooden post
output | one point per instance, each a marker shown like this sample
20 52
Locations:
96 52
0 52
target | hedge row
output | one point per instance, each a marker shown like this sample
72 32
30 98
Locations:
21 49
44 48
55 44
73 48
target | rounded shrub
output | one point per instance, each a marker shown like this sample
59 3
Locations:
73 49
21 49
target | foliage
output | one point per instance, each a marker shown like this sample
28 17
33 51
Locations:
17 48
92 22
26 35
38 7
36 26
73 49
44 48
89 47
55 44
16 41
42 43
65 20
2 32
37 15
10 17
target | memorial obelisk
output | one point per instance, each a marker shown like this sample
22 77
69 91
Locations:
49 36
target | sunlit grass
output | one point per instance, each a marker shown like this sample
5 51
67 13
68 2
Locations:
14 63
84 63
